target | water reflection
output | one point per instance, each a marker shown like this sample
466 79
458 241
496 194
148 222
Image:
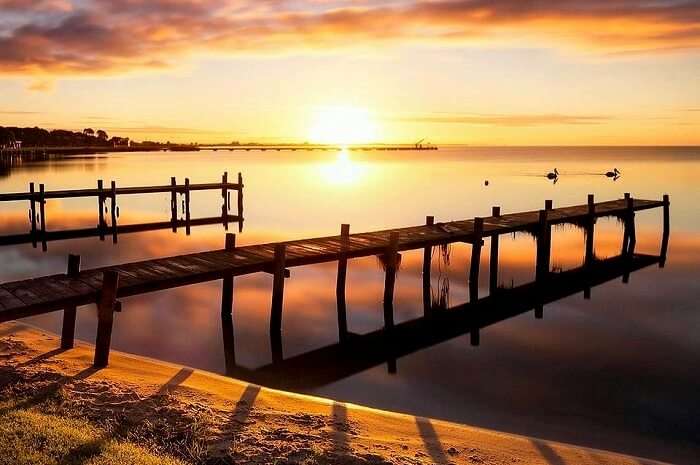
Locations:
616 371
343 170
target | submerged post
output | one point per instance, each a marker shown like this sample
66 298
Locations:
113 206
101 208
340 283
173 202
240 202
590 231
69 313
277 288
543 247
391 262
105 317
493 259
667 231
227 312
427 259
187 206
475 259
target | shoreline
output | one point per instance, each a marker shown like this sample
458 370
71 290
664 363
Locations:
248 424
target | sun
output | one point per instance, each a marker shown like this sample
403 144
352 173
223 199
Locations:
342 125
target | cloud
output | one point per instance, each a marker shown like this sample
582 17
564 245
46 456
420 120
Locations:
507 120
64 37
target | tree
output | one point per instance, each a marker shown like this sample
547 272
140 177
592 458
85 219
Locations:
102 135
89 132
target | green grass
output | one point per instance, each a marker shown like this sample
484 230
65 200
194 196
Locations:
30 437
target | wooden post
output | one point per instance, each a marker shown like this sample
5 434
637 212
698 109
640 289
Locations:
493 259
667 231
629 239
101 208
539 311
32 207
476 259
474 337
340 284
277 288
105 317
224 196
113 207
42 217
173 203
69 313
227 312
390 279
187 206
548 204
590 231
543 247
240 202
427 259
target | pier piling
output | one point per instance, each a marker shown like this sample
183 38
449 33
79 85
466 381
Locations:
341 304
544 239
105 317
493 259
227 312
391 264
69 313
475 262
427 259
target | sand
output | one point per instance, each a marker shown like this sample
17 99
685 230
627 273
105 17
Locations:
200 416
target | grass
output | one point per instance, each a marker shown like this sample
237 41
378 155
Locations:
30 437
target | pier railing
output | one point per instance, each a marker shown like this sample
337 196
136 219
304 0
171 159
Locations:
104 286
38 218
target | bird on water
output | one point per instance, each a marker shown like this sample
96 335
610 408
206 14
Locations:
613 174
553 174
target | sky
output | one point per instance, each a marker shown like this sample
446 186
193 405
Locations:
480 72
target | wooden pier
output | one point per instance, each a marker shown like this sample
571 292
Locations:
37 212
103 286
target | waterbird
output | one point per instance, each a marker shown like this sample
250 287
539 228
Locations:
553 174
613 174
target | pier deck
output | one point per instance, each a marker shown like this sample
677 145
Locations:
41 295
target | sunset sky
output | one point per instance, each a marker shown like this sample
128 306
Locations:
500 72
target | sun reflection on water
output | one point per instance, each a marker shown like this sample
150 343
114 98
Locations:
343 170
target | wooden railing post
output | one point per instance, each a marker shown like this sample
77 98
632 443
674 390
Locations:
391 258
114 208
666 232
493 259
475 259
543 247
427 260
69 313
227 312
42 217
548 204
173 203
187 206
105 317
341 304
240 202
101 208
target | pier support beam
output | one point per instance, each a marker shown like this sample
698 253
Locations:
589 233
476 260
173 203
32 212
391 262
101 209
105 317
544 240
42 217
340 284
493 259
113 207
69 313
427 259
240 202
187 206
666 232
277 301
227 313
224 196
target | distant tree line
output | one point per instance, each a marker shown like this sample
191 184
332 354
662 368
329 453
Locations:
38 137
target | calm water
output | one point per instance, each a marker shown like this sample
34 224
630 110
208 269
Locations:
619 371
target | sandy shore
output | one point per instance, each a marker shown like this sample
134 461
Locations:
201 416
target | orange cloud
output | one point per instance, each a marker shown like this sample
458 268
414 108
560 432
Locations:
62 37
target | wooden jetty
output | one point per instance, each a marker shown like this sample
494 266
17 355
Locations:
357 353
37 198
103 286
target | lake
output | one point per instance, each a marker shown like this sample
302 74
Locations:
618 371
